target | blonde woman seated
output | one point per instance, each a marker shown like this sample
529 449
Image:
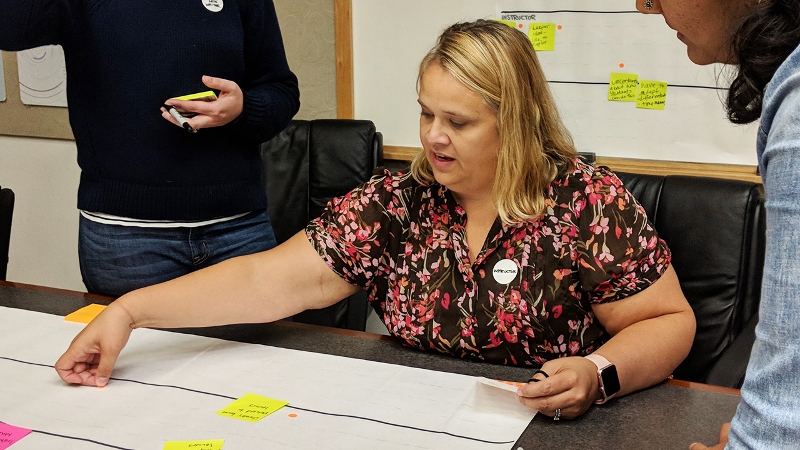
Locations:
500 246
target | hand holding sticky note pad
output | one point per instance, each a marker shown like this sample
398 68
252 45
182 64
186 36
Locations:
180 116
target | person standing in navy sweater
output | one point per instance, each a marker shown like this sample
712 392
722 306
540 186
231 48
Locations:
156 200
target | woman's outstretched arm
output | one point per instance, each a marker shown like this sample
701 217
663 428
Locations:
262 287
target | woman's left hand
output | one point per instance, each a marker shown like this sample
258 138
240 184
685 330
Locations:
571 387
227 107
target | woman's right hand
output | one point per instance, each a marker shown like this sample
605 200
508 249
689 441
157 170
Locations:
90 358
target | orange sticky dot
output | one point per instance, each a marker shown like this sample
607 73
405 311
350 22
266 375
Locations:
559 27
292 415
621 65
519 25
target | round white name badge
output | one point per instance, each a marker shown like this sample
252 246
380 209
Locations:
213 5
505 271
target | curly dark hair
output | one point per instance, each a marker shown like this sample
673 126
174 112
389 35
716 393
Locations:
761 44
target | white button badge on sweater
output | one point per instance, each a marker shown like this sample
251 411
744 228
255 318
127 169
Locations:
505 271
213 5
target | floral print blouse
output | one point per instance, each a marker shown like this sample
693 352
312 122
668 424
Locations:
526 299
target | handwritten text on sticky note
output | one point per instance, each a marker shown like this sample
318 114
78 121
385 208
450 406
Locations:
252 407
214 444
10 434
543 36
622 87
652 94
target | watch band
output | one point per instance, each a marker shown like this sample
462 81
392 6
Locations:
602 364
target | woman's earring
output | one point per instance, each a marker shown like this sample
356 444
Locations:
648 4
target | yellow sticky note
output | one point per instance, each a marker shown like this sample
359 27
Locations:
207 96
510 23
85 314
543 36
214 444
652 94
252 407
622 87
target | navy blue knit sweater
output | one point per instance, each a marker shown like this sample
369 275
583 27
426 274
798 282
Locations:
124 59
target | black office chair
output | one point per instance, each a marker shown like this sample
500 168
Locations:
306 165
716 231
6 212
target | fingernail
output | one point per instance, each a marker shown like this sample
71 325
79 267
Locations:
101 382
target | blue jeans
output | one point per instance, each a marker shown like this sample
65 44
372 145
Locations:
116 259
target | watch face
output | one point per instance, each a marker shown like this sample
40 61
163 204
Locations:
610 380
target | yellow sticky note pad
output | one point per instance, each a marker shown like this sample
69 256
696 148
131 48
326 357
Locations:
543 36
214 444
252 407
206 96
622 87
652 94
85 314
510 23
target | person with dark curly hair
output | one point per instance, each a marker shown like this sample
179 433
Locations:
761 38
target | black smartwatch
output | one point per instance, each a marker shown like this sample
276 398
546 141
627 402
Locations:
607 377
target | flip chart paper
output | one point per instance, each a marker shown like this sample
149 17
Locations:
498 398
169 386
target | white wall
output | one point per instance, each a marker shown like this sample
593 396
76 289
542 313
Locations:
44 175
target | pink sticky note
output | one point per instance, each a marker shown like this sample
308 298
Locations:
10 434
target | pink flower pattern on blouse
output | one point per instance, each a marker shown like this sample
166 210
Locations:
405 244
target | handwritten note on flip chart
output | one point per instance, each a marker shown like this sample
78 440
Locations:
622 87
85 314
543 36
214 444
10 434
652 94
252 407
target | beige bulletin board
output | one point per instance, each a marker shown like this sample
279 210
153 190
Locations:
18 119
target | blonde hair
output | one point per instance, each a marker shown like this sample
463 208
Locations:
499 63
